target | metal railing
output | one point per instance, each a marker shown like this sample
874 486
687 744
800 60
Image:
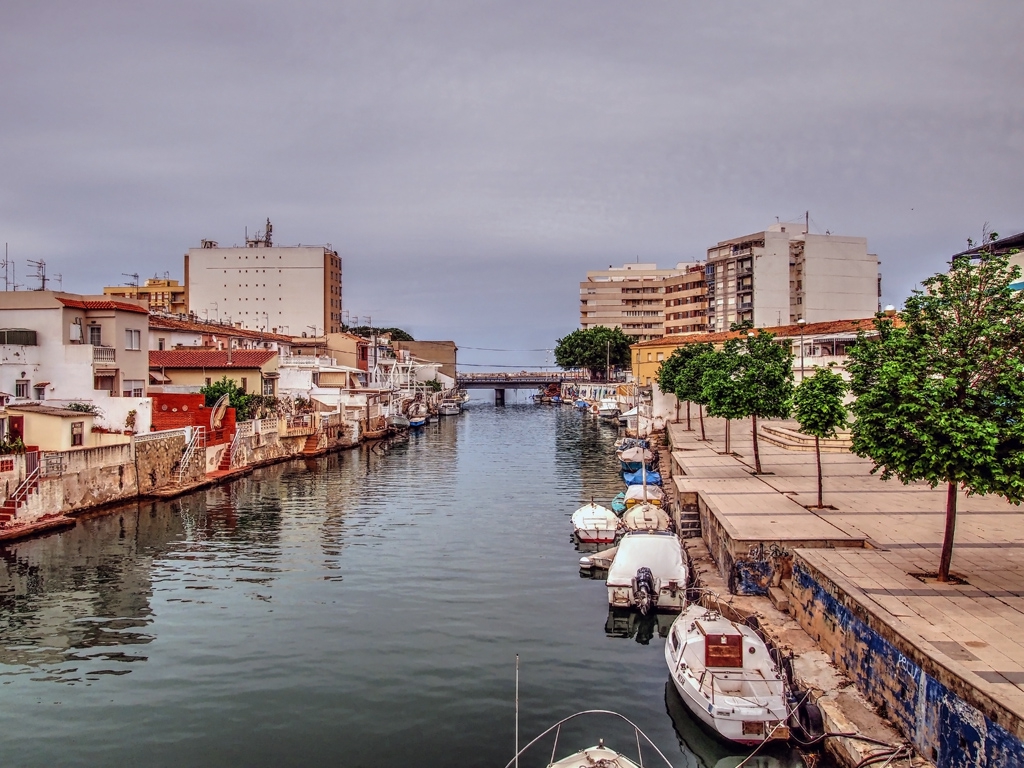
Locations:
26 487
197 441
161 435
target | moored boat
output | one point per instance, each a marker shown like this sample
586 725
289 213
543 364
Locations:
398 421
638 494
595 524
598 756
619 503
417 415
646 517
635 458
726 676
642 476
608 408
648 573
449 407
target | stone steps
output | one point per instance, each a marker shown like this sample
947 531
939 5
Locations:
792 440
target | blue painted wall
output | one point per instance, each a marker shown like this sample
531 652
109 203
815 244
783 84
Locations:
946 729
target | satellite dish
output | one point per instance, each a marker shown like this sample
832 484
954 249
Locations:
219 409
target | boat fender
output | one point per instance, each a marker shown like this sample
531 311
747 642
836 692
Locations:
585 562
807 721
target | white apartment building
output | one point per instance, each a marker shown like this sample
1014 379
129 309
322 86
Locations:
630 297
62 348
785 274
293 290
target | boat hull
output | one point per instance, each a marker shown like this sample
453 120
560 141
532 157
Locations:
596 535
417 423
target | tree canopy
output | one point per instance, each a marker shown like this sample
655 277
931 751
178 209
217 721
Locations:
819 409
366 331
594 349
246 405
940 397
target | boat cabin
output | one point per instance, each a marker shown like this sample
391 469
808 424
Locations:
723 644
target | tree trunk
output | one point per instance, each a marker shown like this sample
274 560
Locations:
728 447
677 410
700 410
688 427
817 455
757 454
947 540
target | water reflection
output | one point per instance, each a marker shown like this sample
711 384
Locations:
627 623
70 599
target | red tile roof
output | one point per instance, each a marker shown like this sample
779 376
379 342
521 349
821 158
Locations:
177 324
101 304
210 358
791 331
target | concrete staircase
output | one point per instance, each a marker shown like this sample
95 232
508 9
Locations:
689 524
9 509
312 446
780 595
792 440
225 460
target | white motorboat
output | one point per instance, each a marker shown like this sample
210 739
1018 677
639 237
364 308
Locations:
726 676
608 407
638 494
648 573
398 421
417 415
646 517
449 407
598 756
595 524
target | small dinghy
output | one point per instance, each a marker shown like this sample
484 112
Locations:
638 494
635 458
726 676
648 573
598 756
646 517
619 503
595 524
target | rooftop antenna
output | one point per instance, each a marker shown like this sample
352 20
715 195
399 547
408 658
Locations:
6 264
59 277
807 222
267 240
134 283
40 274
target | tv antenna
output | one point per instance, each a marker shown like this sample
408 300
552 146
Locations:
134 283
7 265
40 274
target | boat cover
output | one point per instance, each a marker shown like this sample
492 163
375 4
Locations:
661 552
646 517
594 517
636 493
634 454
637 478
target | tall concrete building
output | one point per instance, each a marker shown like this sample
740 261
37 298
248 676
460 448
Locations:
162 294
786 274
292 290
686 302
630 297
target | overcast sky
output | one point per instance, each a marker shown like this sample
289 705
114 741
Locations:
470 161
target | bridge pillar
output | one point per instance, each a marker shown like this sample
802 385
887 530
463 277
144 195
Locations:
499 397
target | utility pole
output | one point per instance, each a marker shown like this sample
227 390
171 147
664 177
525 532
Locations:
608 361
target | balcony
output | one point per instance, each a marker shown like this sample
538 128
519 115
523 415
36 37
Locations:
103 355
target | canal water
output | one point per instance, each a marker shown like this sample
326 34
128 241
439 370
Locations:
361 609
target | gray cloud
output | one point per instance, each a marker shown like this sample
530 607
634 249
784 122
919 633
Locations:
471 160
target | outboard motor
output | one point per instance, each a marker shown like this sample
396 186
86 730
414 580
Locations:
643 590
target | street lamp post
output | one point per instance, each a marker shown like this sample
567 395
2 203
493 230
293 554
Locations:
801 322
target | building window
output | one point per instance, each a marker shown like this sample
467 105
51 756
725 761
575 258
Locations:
133 388
207 381
132 339
39 390
160 344
268 387
95 335
21 388
661 356
245 385
77 433
104 384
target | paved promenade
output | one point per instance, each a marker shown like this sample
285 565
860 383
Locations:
869 544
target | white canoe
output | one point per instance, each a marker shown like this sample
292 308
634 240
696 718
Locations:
726 676
594 523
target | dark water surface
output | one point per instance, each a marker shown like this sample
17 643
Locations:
363 609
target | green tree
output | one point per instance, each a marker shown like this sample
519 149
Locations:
367 331
754 378
819 409
595 349
669 369
941 398
244 404
689 382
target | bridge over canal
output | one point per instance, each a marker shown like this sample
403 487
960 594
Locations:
499 382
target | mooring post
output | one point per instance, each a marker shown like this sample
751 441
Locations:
499 396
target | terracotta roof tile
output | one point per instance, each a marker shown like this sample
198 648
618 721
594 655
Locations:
101 304
210 358
177 324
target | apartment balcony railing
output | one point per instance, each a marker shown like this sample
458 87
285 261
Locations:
103 354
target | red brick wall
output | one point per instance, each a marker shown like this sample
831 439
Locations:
174 411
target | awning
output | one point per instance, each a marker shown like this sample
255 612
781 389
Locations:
41 384
105 372
158 378
272 375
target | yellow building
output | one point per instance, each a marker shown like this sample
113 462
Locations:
162 294
254 371
50 429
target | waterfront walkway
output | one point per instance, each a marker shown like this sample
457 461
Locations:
870 543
